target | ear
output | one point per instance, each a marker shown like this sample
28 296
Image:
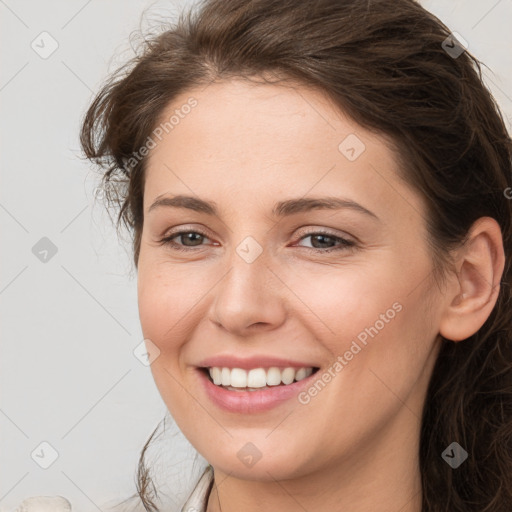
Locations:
479 265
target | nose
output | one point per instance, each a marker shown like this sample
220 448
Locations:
248 298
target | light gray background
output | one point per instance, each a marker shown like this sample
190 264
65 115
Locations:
69 326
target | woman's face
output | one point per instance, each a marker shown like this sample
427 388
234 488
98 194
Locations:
269 276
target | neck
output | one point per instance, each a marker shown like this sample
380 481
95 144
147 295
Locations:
384 475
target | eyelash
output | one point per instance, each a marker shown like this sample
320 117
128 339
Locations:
345 244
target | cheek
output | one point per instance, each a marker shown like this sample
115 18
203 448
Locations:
172 302
374 315
159 314
385 343
340 302
163 305
165 297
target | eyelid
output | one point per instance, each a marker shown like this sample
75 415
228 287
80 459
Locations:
165 239
306 231
176 230
344 243
317 230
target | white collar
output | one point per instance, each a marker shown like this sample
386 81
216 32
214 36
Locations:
198 499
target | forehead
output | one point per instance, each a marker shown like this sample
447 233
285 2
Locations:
274 122
249 143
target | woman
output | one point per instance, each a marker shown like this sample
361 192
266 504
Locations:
319 196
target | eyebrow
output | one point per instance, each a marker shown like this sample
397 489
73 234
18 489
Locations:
281 209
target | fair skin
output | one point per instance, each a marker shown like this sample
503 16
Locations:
355 445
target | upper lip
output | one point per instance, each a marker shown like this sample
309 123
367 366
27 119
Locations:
229 361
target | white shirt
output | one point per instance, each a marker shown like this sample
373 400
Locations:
198 499
196 502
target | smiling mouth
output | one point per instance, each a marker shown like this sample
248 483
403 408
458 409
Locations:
237 379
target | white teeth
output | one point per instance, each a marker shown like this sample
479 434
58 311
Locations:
225 377
215 374
301 374
257 377
273 376
288 375
238 378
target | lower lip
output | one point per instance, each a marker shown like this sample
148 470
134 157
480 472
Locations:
252 401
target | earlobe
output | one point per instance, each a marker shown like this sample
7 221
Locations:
473 294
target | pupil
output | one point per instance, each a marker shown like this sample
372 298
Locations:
190 236
322 237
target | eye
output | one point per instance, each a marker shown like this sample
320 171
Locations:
321 238
192 237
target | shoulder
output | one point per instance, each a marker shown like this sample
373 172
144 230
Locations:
44 504
196 502
62 504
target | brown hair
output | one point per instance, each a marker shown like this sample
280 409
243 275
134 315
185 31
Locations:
387 64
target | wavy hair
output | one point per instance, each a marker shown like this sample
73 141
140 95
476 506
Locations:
387 64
